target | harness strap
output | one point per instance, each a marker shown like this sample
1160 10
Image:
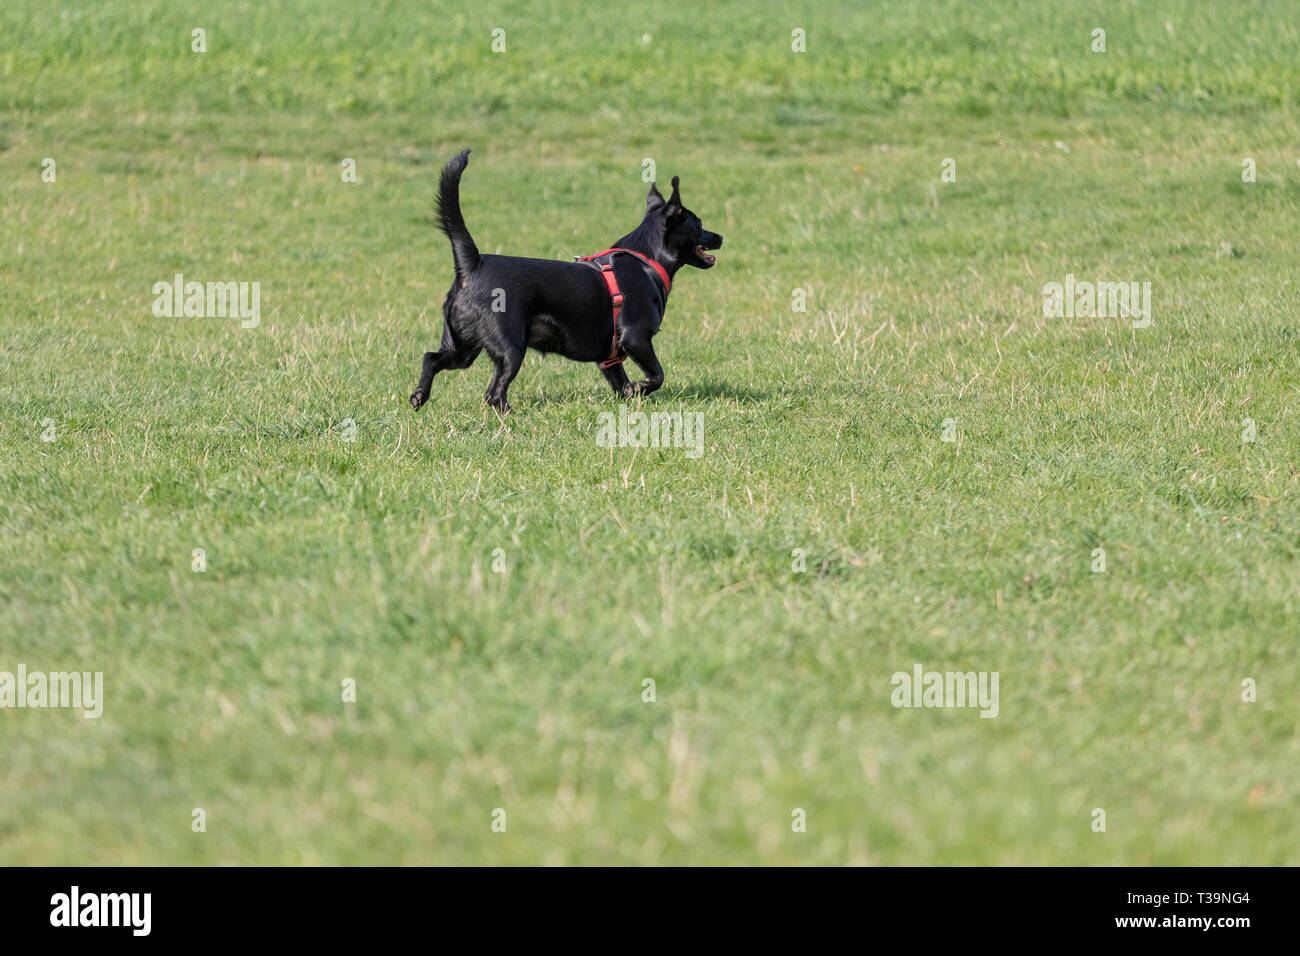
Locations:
616 297
605 262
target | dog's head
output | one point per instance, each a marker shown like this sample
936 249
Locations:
685 238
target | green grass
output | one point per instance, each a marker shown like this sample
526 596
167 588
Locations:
372 560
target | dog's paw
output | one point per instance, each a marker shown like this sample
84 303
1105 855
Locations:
418 398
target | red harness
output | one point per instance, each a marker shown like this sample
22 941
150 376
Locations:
605 262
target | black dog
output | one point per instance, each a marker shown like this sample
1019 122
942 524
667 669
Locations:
590 311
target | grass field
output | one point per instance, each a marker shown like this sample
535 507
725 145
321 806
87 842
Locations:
371 556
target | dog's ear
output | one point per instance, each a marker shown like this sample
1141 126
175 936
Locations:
654 199
676 198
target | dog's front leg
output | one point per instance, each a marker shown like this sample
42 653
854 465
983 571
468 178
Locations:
617 378
643 353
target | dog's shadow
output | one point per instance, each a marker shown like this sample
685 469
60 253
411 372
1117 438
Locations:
669 395
709 391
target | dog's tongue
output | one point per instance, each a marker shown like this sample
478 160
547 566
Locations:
699 251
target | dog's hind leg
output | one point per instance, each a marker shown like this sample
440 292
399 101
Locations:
505 345
451 355
434 362
440 361
507 367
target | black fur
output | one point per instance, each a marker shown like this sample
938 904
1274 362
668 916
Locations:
505 304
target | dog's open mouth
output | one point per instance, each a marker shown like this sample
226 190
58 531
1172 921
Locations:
708 242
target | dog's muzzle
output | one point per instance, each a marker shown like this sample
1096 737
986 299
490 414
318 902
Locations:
710 240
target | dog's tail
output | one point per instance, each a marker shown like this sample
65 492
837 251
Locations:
450 221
